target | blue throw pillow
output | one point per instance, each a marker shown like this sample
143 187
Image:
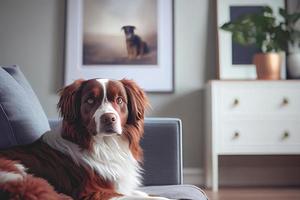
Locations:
22 119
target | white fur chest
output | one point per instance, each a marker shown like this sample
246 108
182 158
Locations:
115 162
111 158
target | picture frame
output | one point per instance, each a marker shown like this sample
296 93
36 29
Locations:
235 61
88 56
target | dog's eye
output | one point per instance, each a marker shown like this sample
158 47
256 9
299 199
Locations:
90 101
119 100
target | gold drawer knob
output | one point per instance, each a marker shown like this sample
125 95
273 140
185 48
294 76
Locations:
236 102
236 135
286 135
285 101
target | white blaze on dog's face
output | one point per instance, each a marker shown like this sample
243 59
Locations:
104 106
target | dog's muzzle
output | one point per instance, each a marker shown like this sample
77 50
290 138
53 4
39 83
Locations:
108 123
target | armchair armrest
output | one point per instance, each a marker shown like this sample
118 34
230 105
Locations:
162 145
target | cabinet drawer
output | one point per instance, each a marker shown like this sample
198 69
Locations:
253 136
259 100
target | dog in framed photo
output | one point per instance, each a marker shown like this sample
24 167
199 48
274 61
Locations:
136 47
94 155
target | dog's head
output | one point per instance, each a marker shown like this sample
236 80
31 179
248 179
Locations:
129 31
102 108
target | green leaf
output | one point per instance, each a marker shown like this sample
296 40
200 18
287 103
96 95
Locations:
282 12
267 9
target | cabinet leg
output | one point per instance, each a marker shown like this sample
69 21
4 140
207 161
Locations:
215 173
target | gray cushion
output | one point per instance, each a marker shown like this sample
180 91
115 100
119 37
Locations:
22 119
176 192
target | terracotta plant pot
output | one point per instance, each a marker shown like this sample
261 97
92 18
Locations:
268 65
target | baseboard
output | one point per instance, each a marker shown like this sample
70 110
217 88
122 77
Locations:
193 176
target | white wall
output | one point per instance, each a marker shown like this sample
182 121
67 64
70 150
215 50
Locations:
32 36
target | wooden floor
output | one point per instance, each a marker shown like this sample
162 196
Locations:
254 194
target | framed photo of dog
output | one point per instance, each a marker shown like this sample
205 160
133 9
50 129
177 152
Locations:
234 60
116 39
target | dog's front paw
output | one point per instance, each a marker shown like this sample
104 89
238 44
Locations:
140 198
139 193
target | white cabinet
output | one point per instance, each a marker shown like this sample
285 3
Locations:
250 118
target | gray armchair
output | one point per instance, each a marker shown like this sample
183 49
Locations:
22 120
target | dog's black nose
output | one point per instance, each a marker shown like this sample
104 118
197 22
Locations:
108 119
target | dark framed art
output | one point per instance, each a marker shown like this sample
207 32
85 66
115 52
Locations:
118 39
234 60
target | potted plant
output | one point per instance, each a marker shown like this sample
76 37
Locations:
262 30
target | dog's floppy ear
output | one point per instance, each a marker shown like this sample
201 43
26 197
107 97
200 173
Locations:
68 105
137 101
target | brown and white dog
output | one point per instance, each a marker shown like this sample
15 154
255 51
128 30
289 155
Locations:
96 153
